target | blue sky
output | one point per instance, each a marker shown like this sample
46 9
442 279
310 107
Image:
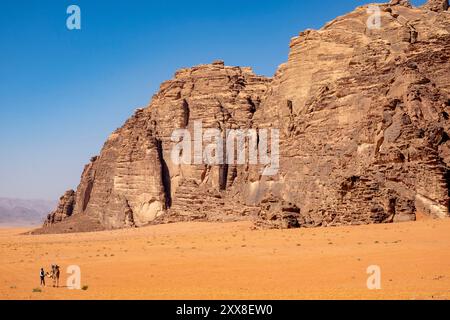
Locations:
63 92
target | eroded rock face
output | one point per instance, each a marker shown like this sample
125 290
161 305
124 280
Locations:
437 5
358 109
64 210
363 117
276 213
133 182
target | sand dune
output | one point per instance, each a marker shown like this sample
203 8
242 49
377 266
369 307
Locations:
231 261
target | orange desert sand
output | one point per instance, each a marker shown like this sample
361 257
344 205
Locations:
231 261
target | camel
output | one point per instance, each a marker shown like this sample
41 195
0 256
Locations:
54 275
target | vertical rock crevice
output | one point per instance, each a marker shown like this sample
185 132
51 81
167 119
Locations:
165 175
186 113
87 195
223 176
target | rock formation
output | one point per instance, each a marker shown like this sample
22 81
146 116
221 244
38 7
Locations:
363 115
64 209
437 5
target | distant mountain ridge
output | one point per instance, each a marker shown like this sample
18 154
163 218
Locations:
21 212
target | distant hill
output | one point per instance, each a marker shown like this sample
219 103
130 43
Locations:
22 212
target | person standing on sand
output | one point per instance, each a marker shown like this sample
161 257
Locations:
42 276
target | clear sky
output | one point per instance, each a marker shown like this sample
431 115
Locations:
63 92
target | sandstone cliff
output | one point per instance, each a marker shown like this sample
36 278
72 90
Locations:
363 115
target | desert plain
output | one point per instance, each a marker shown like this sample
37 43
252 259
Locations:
232 261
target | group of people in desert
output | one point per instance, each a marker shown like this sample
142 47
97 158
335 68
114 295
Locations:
54 275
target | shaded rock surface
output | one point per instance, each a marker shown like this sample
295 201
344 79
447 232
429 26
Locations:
363 116
437 5
64 209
